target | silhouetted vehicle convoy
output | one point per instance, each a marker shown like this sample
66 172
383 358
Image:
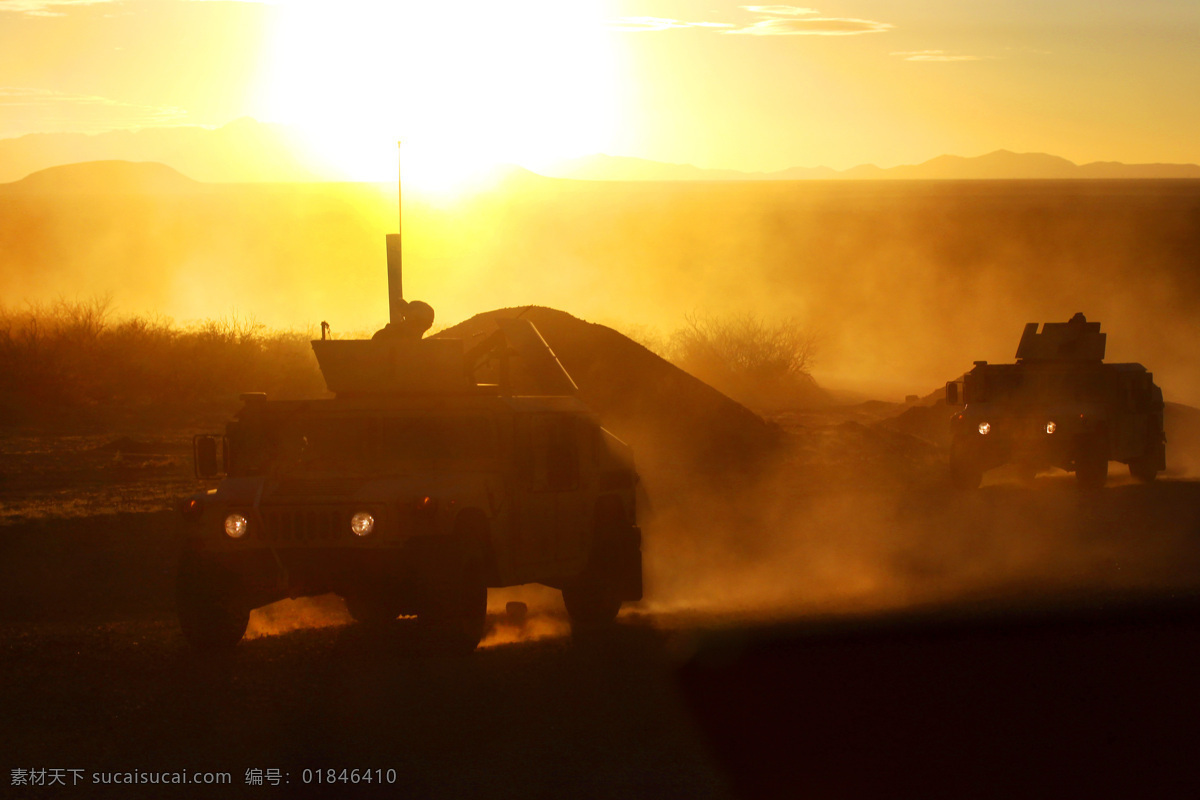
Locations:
1058 406
413 490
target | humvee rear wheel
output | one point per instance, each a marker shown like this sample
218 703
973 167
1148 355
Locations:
211 614
454 618
592 599
1146 466
590 604
1143 469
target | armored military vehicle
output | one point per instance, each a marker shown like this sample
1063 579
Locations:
1060 406
425 480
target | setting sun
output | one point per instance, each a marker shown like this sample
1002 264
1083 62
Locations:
467 86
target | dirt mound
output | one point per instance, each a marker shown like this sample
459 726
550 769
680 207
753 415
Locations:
669 417
931 423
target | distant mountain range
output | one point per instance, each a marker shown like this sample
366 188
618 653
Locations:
243 151
250 151
107 177
999 165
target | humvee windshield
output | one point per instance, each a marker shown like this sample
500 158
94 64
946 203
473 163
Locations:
1006 385
374 444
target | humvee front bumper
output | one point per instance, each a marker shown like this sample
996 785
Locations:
1037 442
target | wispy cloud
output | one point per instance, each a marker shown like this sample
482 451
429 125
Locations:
46 8
813 26
661 24
80 112
774 20
936 55
59 8
782 10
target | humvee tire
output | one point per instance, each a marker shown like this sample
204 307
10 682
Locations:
210 614
1145 467
593 599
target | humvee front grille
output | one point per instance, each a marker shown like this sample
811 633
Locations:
287 525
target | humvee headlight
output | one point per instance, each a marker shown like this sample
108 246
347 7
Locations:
1051 427
985 428
362 523
236 526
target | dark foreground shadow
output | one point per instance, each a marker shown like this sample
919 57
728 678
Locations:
1081 702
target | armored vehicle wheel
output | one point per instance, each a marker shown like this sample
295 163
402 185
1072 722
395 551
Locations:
1143 469
1091 466
372 610
454 617
590 604
211 615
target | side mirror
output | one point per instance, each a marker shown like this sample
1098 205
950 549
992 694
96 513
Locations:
952 393
205 457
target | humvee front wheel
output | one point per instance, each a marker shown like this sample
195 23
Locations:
211 615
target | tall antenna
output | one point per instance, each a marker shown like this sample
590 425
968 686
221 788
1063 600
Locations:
395 253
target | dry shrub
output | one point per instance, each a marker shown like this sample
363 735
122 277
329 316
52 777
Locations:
760 363
76 354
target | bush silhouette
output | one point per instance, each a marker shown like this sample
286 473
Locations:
759 363
74 354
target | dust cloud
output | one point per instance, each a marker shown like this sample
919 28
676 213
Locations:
301 613
781 551
908 282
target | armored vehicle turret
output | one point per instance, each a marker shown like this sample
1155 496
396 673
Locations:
1059 406
425 480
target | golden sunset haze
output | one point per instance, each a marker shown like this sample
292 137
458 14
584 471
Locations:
469 85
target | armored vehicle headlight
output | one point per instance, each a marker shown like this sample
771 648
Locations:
1051 427
985 428
236 526
362 523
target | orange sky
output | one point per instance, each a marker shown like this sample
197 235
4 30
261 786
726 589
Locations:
712 83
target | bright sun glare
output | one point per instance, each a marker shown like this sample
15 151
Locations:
467 85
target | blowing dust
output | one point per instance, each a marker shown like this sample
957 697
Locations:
301 613
908 283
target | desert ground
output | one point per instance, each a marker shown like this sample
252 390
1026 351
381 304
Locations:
878 578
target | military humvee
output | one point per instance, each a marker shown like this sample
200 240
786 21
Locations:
413 490
1058 406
